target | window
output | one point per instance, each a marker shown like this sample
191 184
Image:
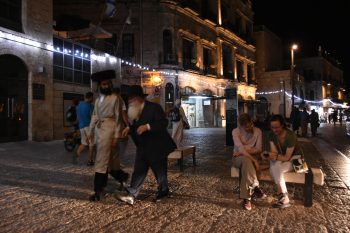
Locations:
11 14
71 62
240 75
169 57
189 53
128 46
251 79
208 61
227 62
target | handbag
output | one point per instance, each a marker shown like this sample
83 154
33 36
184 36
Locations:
298 162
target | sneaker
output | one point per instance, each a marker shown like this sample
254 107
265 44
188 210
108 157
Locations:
247 204
282 202
90 163
130 200
258 193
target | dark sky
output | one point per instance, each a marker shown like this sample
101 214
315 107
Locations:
309 23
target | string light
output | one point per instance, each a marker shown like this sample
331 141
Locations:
324 101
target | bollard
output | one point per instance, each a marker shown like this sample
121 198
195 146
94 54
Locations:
309 180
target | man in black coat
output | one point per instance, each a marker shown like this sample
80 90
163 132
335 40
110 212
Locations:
149 132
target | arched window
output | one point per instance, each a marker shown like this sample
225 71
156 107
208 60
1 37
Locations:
207 92
187 90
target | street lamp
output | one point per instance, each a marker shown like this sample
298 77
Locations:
294 47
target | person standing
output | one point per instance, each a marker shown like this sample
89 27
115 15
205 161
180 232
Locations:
107 122
247 148
305 118
295 119
153 142
283 145
179 119
314 122
84 113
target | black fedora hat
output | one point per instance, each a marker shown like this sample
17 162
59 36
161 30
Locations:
103 75
136 91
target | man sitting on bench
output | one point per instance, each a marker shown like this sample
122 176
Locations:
247 146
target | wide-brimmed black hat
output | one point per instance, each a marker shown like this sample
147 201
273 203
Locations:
103 75
136 91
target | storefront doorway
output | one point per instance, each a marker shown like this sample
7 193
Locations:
13 99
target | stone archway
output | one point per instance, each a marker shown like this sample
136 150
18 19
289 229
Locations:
13 99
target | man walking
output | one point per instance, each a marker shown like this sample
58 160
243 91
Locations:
153 142
84 112
107 121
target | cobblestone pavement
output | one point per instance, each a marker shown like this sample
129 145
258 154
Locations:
41 190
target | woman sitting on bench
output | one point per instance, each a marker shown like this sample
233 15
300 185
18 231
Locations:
283 145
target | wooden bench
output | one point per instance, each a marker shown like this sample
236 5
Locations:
180 153
313 176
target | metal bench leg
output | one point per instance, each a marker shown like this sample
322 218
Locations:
181 163
308 186
194 158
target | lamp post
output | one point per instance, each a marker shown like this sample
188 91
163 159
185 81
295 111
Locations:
294 47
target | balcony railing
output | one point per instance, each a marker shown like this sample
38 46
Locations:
189 65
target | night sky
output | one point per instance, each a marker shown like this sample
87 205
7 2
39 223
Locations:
309 23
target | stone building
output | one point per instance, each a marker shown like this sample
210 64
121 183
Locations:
40 72
273 79
325 83
194 51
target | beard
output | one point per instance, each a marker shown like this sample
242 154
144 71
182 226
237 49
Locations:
106 91
134 111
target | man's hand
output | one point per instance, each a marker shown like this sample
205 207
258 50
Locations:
236 154
141 129
256 165
125 132
114 141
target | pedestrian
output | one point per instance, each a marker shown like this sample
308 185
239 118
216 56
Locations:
305 118
340 117
71 114
84 113
247 148
314 122
107 121
153 142
114 163
295 119
179 119
283 145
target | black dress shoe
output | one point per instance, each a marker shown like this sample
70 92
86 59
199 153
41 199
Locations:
162 195
95 197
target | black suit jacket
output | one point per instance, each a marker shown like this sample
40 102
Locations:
156 142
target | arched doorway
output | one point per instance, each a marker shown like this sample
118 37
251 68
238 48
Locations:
13 99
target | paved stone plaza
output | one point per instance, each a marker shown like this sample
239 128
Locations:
43 191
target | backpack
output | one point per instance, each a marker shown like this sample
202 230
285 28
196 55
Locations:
175 114
71 114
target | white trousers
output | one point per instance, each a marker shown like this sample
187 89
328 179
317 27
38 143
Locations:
277 170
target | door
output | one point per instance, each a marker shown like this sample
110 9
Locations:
13 99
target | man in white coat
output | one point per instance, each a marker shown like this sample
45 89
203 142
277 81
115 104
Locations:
107 122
